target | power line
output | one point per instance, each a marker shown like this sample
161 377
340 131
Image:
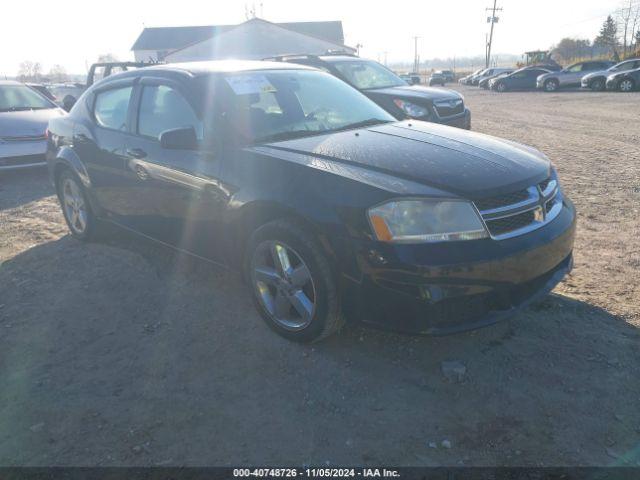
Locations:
492 19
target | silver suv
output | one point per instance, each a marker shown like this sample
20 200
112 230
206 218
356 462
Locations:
571 75
597 80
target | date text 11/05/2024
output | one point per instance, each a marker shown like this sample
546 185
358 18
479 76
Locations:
316 472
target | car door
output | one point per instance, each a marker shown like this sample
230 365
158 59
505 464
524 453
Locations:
99 142
176 191
517 80
572 75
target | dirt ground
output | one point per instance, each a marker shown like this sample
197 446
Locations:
125 353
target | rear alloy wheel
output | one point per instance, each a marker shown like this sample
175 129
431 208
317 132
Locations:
597 85
551 85
291 281
501 87
75 207
626 85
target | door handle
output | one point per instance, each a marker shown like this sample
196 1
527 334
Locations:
136 153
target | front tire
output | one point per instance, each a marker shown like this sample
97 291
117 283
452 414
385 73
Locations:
551 85
597 85
501 87
292 283
76 209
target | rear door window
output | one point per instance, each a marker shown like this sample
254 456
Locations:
111 108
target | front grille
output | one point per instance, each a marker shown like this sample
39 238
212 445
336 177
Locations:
22 160
521 211
447 109
504 225
502 200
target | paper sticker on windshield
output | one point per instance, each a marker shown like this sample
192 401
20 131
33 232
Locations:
248 84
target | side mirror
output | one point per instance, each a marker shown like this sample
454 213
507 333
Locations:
179 139
68 102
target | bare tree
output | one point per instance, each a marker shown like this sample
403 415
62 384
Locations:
58 73
627 19
29 71
107 57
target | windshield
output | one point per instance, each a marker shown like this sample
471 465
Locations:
279 104
14 98
366 74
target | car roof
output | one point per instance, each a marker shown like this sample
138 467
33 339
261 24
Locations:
224 66
342 58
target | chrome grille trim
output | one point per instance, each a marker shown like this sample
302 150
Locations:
545 200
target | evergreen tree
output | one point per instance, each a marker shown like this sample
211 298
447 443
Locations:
608 36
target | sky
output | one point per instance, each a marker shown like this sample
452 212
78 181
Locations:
74 32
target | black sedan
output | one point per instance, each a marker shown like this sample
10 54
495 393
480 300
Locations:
391 92
624 81
523 79
331 207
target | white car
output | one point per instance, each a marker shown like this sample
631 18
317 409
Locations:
24 116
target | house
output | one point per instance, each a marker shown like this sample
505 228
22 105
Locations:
253 39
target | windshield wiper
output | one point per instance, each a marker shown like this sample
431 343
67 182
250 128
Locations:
275 137
307 133
364 123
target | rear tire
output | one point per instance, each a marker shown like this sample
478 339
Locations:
551 85
626 85
76 209
292 283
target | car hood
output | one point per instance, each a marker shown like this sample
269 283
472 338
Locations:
464 163
28 123
544 76
417 92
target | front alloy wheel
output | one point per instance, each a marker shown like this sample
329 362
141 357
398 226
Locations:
626 85
284 284
501 87
551 85
292 281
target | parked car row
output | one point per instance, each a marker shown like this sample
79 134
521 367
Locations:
596 75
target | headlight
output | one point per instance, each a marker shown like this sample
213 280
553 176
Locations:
411 109
418 221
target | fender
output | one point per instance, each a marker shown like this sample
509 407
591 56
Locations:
66 157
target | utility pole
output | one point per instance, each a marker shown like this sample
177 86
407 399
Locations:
492 19
416 61
385 58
